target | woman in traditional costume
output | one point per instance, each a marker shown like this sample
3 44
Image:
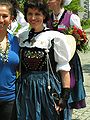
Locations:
44 84
61 20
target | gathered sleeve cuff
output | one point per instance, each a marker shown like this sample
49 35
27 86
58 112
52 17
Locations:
65 67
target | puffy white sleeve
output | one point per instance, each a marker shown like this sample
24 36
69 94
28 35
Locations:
20 20
75 20
61 53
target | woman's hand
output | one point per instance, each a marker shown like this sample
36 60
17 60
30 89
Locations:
61 105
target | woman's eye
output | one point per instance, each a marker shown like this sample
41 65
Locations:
30 14
4 16
37 14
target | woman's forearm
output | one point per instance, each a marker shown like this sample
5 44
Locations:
65 77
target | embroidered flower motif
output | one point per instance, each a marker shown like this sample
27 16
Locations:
55 23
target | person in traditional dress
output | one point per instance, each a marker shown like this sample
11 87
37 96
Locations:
60 20
44 83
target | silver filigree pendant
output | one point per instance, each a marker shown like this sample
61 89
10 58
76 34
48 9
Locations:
32 41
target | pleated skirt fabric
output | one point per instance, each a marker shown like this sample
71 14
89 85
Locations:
34 100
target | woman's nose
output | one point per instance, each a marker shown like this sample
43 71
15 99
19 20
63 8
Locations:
33 16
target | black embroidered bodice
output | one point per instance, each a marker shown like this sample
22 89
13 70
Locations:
33 59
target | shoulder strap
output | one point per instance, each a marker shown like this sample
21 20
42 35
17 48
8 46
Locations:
62 16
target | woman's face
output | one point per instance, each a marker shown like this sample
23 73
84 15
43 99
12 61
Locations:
52 4
5 18
35 18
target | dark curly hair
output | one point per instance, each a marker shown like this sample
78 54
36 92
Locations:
15 6
41 6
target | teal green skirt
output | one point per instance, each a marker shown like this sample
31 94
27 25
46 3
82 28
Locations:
34 100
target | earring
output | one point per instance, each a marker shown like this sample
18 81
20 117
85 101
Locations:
9 27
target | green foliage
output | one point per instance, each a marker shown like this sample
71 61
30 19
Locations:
75 6
21 4
85 23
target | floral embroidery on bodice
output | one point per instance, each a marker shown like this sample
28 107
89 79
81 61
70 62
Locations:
34 59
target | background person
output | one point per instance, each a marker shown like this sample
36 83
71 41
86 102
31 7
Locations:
61 20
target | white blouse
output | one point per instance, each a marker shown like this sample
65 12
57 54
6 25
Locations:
43 40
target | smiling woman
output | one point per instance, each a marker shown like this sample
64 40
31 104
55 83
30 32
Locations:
45 55
4 17
35 18
9 59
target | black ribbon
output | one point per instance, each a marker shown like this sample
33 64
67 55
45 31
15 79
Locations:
32 34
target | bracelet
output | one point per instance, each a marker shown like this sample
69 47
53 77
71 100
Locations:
65 93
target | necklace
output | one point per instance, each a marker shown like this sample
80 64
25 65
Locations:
4 53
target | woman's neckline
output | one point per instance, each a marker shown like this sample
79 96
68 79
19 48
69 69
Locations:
37 32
